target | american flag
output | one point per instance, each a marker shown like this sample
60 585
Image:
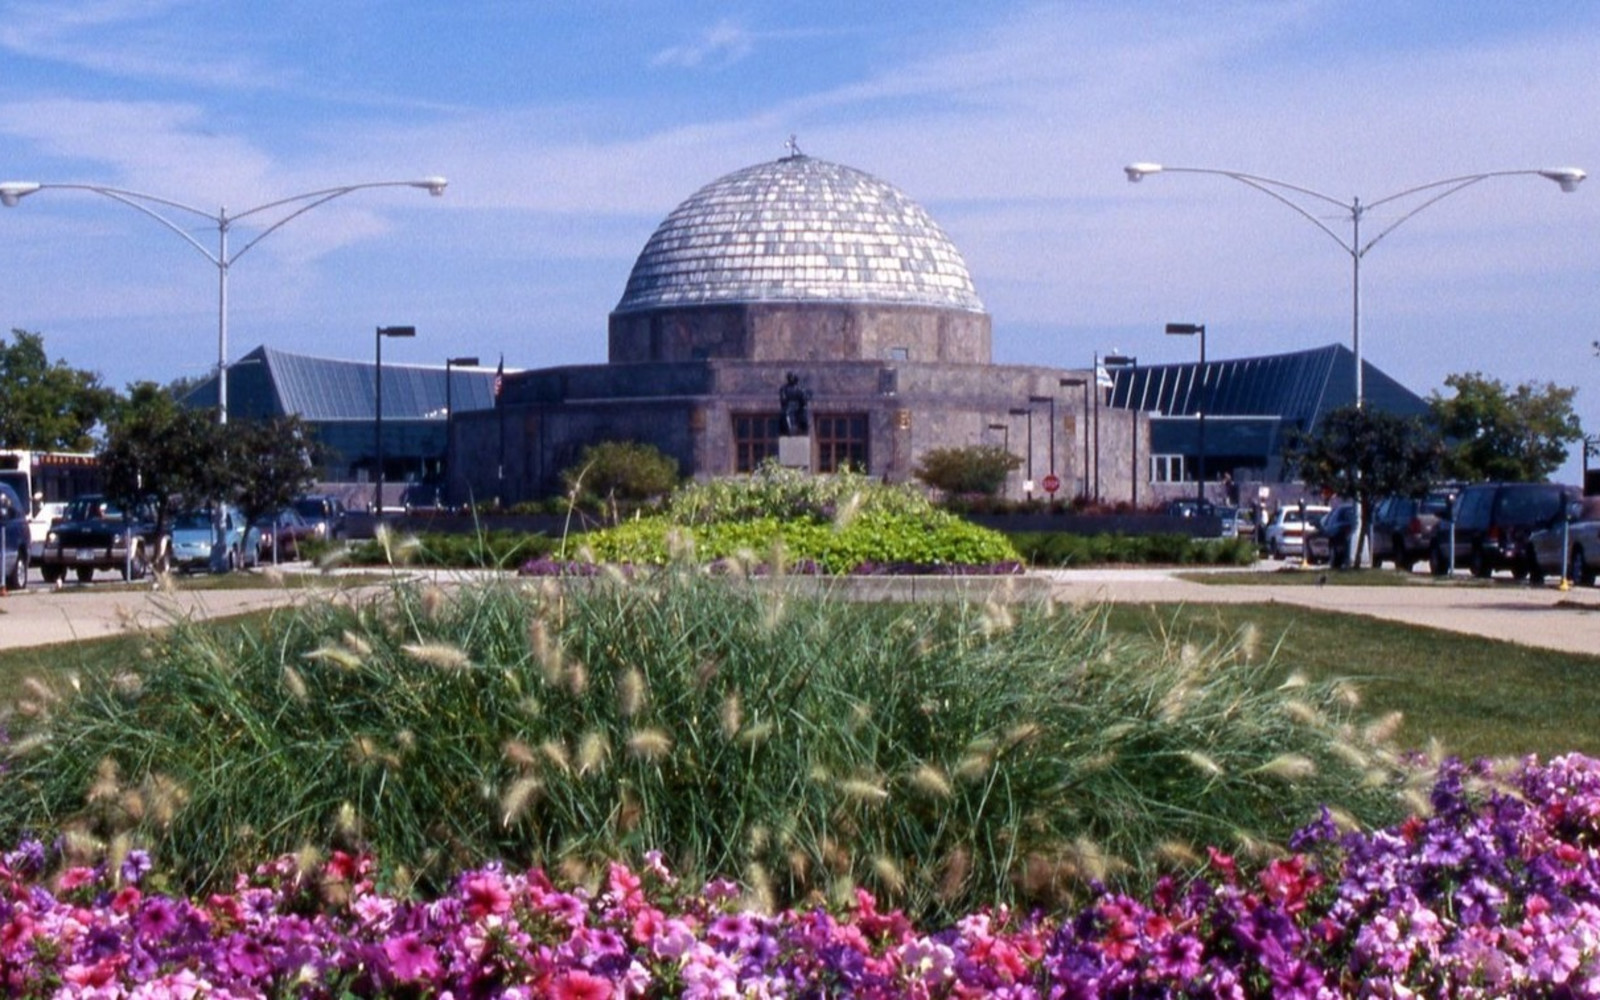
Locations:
500 377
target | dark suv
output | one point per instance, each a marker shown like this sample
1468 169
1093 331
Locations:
1491 522
13 539
1403 527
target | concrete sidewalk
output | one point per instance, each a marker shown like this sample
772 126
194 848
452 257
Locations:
1535 616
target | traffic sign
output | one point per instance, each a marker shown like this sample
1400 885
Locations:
1052 482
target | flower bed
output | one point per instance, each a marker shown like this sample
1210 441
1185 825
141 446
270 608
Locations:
1496 894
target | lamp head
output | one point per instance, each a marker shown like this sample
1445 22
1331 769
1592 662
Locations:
462 362
1568 177
12 192
397 331
1186 329
1137 171
434 185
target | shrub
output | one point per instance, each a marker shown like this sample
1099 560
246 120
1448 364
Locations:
980 469
498 549
614 471
946 756
1041 548
839 522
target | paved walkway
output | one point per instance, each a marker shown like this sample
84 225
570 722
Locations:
1534 616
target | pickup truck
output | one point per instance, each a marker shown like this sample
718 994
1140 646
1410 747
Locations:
94 533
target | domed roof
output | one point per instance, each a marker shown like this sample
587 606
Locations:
799 229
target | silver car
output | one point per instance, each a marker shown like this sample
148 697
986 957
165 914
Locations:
1578 536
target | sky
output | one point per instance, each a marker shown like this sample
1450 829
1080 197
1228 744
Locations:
568 131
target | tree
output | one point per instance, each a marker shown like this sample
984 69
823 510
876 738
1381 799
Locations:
613 471
1365 454
271 462
980 469
49 407
1492 433
160 451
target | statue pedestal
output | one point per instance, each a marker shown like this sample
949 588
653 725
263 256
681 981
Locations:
794 451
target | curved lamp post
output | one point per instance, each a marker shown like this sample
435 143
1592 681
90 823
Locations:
1567 177
12 192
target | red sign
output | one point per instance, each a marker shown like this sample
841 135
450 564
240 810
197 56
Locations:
1052 482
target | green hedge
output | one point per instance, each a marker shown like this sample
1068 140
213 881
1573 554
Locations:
1055 549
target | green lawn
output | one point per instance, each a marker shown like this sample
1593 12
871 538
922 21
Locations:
1475 696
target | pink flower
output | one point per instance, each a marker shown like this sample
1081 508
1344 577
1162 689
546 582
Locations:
410 958
580 985
485 894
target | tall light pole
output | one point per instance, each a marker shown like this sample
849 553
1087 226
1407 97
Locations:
450 412
1567 177
377 410
1027 487
1189 330
295 206
1125 361
1005 436
1081 383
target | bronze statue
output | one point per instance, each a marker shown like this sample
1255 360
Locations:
792 400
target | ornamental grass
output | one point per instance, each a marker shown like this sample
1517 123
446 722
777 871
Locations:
943 757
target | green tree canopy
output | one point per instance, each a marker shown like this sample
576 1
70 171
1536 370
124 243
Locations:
1365 454
158 450
271 462
49 407
1495 433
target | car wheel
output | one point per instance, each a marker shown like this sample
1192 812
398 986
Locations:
85 574
1438 562
52 574
18 577
1579 570
1479 565
138 566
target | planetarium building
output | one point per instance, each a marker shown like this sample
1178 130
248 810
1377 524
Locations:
802 267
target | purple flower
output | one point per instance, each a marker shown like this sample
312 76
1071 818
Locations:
410 960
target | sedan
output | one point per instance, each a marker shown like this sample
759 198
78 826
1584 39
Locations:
1577 536
192 537
1286 534
284 531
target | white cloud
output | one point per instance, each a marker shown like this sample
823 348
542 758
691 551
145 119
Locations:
722 45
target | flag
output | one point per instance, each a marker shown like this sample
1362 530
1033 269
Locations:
1102 377
499 378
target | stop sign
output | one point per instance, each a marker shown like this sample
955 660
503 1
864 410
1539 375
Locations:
1052 482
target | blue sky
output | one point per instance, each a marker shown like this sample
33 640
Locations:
569 130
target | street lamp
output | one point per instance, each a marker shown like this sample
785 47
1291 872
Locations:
12 192
450 411
1005 436
377 410
1189 330
1027 487
1567 177
1081 383
1125 361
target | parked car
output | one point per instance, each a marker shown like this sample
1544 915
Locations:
1334 533
14 539
1286 534
1490 524
284 530
95 533
1403 527
1227 517
1577 535
325 513
192 536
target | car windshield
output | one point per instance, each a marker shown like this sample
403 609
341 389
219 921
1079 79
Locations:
311 508
89 509
192 520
